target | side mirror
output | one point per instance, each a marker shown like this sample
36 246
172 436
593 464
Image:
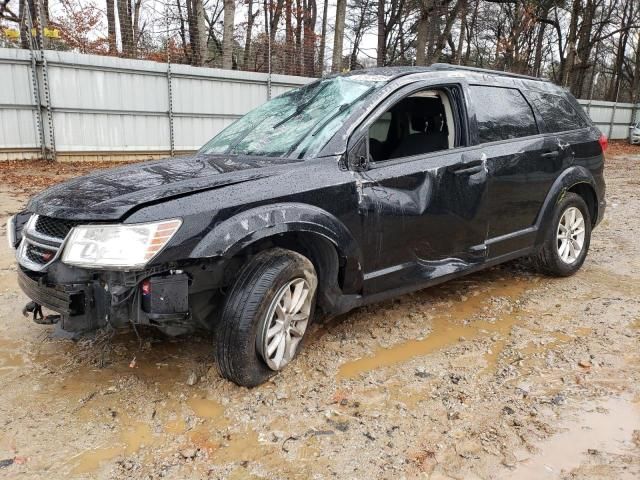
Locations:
358 156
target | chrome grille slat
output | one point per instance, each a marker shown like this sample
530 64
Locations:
41 243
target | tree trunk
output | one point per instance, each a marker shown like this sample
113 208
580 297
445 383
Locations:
323 37
251 18
463 31
126 28
421 37
341 8
298 46
310 18
227 34
567 65
111 27
441 39
382 37
288 36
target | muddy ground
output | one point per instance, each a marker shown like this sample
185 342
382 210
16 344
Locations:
502 374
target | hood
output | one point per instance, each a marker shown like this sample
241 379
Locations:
111 194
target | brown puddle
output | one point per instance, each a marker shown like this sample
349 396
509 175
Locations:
133 436
205 408
10 357
447 328
601 427
101 397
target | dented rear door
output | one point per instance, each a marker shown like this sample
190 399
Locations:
521 161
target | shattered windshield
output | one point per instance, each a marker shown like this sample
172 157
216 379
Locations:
295 124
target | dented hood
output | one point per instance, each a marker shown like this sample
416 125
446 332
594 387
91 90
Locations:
111 194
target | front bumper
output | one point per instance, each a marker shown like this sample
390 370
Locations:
88 300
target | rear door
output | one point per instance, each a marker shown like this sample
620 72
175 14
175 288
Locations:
566 129
521 162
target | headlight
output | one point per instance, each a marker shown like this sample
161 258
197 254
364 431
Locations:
117 246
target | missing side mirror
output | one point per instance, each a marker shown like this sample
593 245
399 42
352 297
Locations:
358 157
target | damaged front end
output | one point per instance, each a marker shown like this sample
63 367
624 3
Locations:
86 298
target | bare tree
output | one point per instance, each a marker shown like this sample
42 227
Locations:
111 27
338 38
227 37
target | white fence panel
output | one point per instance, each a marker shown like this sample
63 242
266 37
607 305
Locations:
108 107
612 119
18 120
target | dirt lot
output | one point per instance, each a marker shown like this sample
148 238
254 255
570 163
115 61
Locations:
503 374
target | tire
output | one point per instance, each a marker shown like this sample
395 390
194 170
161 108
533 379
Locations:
250 308
552 259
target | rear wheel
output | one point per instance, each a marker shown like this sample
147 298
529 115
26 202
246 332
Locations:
266 315
567 240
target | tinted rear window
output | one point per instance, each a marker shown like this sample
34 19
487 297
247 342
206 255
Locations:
502 113
558 114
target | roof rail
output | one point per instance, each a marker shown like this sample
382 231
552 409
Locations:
447 66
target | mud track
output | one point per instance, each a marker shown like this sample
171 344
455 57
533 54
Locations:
502 374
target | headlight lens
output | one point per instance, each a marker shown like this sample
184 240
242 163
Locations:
118 246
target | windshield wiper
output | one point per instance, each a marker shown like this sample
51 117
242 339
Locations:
300 108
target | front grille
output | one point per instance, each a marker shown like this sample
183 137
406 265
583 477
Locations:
54 227
39 255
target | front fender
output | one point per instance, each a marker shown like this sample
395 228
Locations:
236 233
568 179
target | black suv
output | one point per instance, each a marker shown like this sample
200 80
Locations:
350 190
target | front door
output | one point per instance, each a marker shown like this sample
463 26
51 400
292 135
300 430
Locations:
423 214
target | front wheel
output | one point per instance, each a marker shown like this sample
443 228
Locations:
266 314
567 240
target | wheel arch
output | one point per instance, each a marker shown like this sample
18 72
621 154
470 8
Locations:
576 179
303 228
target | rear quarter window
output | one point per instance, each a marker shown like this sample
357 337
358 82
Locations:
502 113
556 111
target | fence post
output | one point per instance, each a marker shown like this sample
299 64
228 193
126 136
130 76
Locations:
35 85
613 113
169 88
170 93
45 82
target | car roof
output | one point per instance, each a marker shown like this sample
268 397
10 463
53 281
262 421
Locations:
472 74
393 72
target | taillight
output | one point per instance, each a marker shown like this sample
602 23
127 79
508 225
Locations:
604 142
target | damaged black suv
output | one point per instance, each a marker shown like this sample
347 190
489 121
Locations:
347 191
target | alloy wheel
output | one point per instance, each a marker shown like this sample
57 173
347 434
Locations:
570 235
285 323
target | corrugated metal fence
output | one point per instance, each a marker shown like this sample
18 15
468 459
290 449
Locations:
110 108
94 107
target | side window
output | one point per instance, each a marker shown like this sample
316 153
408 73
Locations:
380 129
418 124
502 113
558 114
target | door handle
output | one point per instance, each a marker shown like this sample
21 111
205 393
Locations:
468 168
552 154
